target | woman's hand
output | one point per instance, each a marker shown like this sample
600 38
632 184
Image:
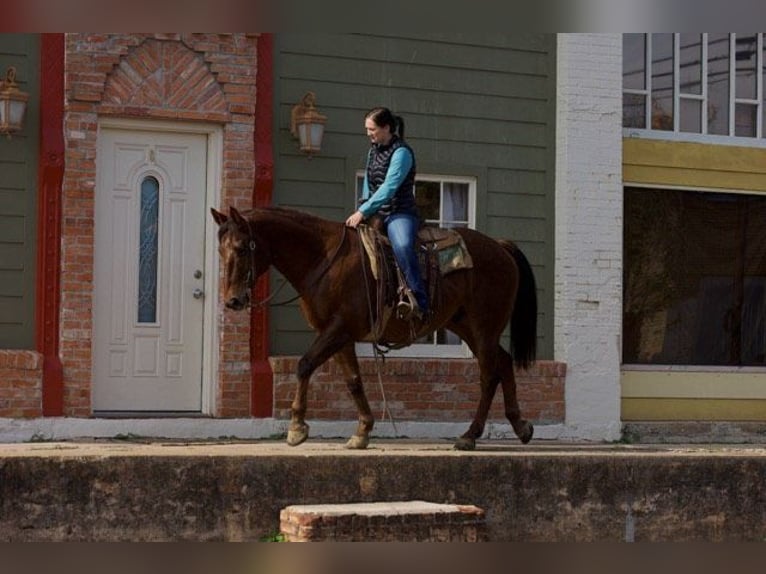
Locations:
355 219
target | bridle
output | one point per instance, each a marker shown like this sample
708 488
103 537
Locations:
316 275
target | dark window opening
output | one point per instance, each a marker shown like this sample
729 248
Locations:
694 278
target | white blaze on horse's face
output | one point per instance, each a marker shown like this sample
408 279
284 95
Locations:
237 261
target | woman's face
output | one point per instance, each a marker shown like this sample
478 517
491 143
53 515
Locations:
376 133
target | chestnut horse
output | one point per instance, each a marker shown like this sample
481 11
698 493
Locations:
323 261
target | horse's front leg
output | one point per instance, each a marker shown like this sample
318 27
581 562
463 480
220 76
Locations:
329 342
347 360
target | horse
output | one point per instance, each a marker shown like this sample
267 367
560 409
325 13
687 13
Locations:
324 263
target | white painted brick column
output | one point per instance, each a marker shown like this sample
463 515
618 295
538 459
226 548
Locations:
589 207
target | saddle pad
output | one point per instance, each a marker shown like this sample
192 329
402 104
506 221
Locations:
449 246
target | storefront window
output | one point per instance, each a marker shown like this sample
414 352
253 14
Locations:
695 278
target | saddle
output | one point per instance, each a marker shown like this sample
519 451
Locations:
440 251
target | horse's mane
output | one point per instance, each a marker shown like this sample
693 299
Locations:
302 218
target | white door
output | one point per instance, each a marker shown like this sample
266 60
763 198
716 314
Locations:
149 271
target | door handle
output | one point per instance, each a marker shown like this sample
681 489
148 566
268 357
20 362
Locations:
198 293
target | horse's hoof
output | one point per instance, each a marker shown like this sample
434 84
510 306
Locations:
526 432
465 443
358 442
296 436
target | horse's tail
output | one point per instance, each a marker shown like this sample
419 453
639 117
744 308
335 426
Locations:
524 317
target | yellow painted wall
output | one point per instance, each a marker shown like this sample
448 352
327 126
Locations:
694 165
662 394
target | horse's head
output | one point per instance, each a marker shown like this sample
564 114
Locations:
238 250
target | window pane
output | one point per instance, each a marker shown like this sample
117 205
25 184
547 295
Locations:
745 119
662 81
445 337
427 196
695 278
634 111
147 251
359 186
746 47
634 61
691 115
455 198
754 272
691 63
718 84
763 103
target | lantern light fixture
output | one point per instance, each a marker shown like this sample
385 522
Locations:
307 124
13 104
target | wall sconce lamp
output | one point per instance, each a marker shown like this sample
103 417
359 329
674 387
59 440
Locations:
13 104
307 124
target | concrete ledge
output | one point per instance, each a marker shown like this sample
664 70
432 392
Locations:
202 428
117 491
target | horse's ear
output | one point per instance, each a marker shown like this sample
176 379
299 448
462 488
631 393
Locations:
218 217
236 216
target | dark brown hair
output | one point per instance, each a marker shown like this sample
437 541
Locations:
384 117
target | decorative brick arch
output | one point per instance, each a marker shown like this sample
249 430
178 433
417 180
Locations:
164 79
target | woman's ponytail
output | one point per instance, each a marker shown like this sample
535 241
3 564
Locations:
399 126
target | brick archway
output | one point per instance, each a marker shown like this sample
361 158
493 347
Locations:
167 79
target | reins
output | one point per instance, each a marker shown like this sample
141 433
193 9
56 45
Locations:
377 352
252 245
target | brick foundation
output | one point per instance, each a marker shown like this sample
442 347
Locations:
437 390
411 521
21 380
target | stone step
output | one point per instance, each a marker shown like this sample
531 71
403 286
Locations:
404 521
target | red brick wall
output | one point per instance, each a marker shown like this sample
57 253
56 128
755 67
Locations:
189 77
434 390
21 379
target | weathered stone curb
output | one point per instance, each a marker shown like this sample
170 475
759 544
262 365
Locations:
235 491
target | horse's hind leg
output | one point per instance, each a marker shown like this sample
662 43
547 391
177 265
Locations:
521 427
488 388
346 358
489 379
496 368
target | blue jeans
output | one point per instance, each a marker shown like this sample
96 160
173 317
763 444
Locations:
402 229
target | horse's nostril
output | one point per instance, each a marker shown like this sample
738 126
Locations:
234 303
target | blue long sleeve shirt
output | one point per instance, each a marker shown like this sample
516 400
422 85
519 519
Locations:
401 163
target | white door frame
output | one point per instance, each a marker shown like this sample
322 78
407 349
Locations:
210 336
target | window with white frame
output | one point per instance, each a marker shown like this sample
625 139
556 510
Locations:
710 84
443 201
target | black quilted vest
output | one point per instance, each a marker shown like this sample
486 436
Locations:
403 200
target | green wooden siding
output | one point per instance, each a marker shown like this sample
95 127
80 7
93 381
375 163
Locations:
18 200
480 105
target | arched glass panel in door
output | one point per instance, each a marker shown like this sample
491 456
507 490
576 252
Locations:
147 250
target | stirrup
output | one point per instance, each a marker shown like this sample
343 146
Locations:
404 310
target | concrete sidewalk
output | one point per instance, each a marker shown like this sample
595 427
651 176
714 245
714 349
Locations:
140 446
